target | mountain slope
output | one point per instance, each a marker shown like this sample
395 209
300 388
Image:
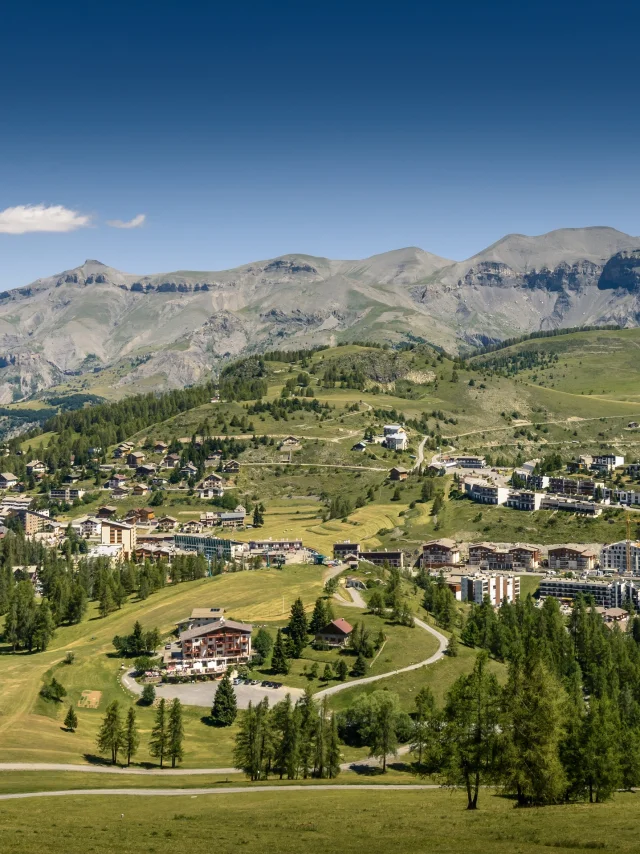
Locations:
123 332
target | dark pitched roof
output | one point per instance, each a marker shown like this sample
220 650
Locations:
215 625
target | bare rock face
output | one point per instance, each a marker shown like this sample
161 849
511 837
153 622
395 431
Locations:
177 328
622 271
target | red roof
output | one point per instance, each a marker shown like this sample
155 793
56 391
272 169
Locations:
339 626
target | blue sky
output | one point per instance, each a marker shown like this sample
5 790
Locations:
244 130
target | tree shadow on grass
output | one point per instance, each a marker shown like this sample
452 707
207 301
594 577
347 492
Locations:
208 720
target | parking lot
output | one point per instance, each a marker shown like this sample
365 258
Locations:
202 693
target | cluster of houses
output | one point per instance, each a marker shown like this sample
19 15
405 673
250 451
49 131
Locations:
394 437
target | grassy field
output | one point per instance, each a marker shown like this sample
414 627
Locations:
403 646
31 729
374 821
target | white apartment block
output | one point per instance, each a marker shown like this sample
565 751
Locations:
474 588
613 558
607 462
523 499
485 493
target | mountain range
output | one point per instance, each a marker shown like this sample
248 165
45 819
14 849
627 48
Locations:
173 329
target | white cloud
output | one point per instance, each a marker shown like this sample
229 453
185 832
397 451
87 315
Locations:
136 222
28 218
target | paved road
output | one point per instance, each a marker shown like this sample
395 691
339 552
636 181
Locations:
420 454
221 790
356 598
442 645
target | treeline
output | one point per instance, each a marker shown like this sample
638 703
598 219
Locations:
244 379
68 587
292 356
524 360
288 740
544 333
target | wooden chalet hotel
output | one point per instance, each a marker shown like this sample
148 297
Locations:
212 647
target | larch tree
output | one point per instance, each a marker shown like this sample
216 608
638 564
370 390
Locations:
159 742
175 732
131 739
110 734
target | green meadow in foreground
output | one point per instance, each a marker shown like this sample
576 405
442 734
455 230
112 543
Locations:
315 822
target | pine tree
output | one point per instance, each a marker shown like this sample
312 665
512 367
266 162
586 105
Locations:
328 673
71 720
44 627
175 732
107 604
297 628
319 617
600 749
308 719
246 754
342 669
453 646
131 738
286 723
360 666
333 750
279 663
159 741
110 734
225 706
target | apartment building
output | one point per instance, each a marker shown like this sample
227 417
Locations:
380 558
574 486
470 462
605 594
474 588
442 552
570 505
213 548
119 533
571 558
613 557
607 462
484 492
524 499
490 556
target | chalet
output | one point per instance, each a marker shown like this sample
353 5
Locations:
189 470
144 515
398 473
107 511
359 446
134 459
234 519
123 449
396 441
71 477
442 552
119 492
90 527
8 480
159 482
36 468
231 467
336 633
167 523
160 447
115 480
146 470
140 489
216 645
212 479
208 492
171 461
193 526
